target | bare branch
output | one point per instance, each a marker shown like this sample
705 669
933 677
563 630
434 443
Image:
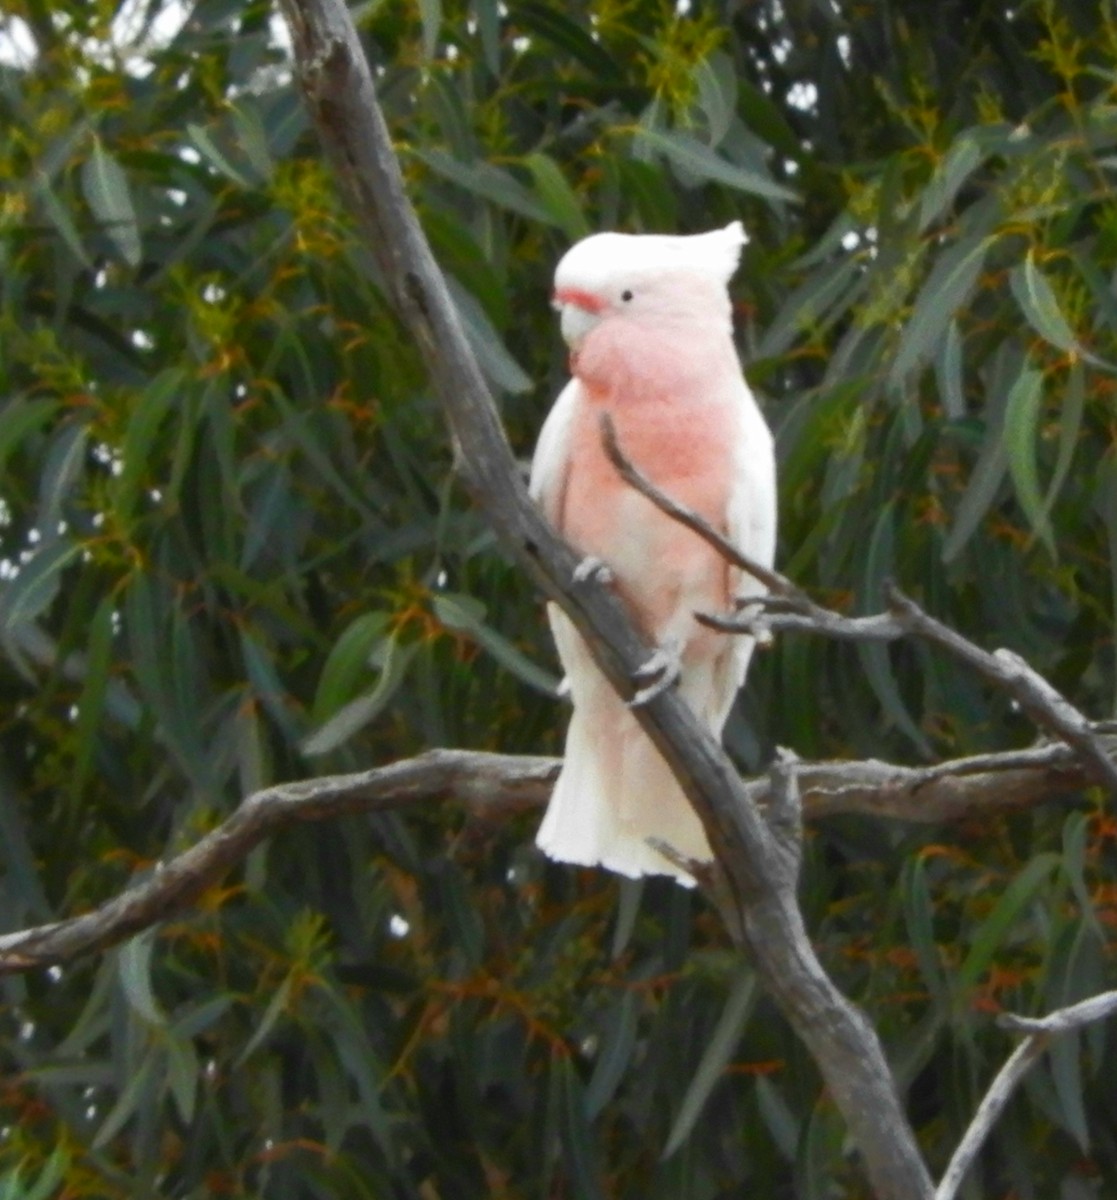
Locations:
1040 1031
1062 1020
790 608
495 786
488 784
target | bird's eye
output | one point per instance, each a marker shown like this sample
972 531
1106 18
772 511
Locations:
626 295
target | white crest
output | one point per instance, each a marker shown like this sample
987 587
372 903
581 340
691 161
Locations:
595 261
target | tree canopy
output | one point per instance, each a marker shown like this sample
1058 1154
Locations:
234 552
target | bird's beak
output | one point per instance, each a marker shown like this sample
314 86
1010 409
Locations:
578 313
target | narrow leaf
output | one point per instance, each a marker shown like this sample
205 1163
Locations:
1021 432
946 289
720 1049
430 12
1040 305
348 662
134 968
464 614
693 158
574 1133
618 1040
995 928
106 189
211 152
360 712
557 196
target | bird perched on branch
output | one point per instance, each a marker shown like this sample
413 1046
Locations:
648 323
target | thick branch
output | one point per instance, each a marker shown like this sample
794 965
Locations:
1040 1031
484 782
494 786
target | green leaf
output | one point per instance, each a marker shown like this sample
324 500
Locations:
1070 426
430 12
465 614
977 500
20 872
695 159
1066 1073
360 712
1021 433
91 703
212 153
947 288
36 583
574 1133
348 663
59 216
716 78
156 401
949 375
719 1050
497 364
106 190
134 967
618 1041
183 1071
137 1094
50 1180
557 196
276 1008
779 1120
992 932
1040 305
919 918
875 657
19 419
962 159
487 181
554 26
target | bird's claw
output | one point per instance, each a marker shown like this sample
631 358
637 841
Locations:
662 671
592 567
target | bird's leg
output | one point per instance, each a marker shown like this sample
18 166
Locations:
661 671
592 567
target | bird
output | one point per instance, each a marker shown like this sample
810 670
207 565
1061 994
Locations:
648 322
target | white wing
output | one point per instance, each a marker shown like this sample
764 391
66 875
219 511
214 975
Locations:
751 515
552 453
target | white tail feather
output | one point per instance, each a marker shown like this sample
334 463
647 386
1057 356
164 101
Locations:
616 794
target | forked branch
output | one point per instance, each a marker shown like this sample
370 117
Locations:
1040 1031
788 608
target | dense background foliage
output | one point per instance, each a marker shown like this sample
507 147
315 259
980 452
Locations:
231 552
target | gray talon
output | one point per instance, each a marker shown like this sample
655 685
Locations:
662 671
593 568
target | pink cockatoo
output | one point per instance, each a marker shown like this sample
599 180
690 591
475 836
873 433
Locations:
648 323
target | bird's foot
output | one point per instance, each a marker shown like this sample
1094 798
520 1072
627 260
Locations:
592 567
661 671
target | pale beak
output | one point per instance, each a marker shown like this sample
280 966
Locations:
578 312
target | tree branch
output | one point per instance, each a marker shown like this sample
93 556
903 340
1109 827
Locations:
495 786
1040 1031
790 608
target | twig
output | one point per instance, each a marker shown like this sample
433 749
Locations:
790 608
634 477
1040 1031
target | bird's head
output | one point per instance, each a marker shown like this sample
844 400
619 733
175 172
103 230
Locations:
645 277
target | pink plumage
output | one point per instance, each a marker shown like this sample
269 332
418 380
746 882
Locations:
649 326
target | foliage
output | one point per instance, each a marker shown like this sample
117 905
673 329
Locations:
233 552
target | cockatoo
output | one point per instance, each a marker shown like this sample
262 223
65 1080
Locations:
648 323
